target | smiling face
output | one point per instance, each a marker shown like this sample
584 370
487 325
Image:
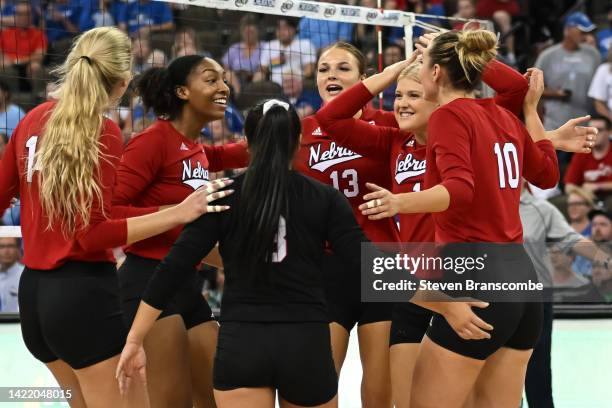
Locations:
337 70
412 112
206 92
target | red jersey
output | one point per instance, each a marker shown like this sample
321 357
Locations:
584 168
48 248
404 156
160 166
332 163
479 152
19 43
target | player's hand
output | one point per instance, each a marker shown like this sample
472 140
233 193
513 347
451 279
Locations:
571 137
535 77
379 204
465 322
592 187
198 202
132 365
398 67
425 41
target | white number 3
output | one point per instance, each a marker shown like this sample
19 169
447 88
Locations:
281 241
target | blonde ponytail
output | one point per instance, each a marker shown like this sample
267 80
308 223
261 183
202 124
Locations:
69 152
464 55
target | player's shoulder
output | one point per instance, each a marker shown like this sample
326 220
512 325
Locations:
157 132
310 187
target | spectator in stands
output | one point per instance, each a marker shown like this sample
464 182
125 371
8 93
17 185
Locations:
365 34
305 101
568 69
602 279
7 13
322 33
601 88
10 272
604 36
393 53
601 234
465 9
243 59
144 56
23 48
487 8
564 275
579 203
593 171
10 114
145 16
543 224
96 13
214 296
186 43
61 25
288 54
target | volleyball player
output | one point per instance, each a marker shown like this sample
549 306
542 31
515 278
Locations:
339 67
61 162
274 334
474 199
161 166
402 151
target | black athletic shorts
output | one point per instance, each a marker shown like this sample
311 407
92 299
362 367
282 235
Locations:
343 296
72 313
409 323
516 325
293 358
134 276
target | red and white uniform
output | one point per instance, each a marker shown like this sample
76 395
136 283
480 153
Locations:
49 248
479 152
159 167
405 157
332 163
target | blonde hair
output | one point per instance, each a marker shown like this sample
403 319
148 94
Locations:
69 152
586 195
464 55
411 72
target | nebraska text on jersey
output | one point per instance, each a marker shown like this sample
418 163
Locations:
194 177
321 161
408 167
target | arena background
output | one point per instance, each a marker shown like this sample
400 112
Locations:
160 31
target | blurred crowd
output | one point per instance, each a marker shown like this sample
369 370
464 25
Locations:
272 56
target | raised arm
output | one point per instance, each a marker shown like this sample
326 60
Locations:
337 119
510 86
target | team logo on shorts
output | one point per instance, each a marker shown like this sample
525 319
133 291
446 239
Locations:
408 167
329 11
288 5
322 160
194 176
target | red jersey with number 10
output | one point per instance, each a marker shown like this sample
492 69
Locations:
480 152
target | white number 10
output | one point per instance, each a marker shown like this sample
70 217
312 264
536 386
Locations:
508 164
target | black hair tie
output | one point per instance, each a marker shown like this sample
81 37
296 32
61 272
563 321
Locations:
86 58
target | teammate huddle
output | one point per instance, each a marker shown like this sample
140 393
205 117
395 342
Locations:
290 244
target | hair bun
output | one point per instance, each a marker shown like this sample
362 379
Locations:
476 41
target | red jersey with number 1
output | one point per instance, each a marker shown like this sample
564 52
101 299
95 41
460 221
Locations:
48 248
323 159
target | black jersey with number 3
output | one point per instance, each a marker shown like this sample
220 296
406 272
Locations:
291 288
